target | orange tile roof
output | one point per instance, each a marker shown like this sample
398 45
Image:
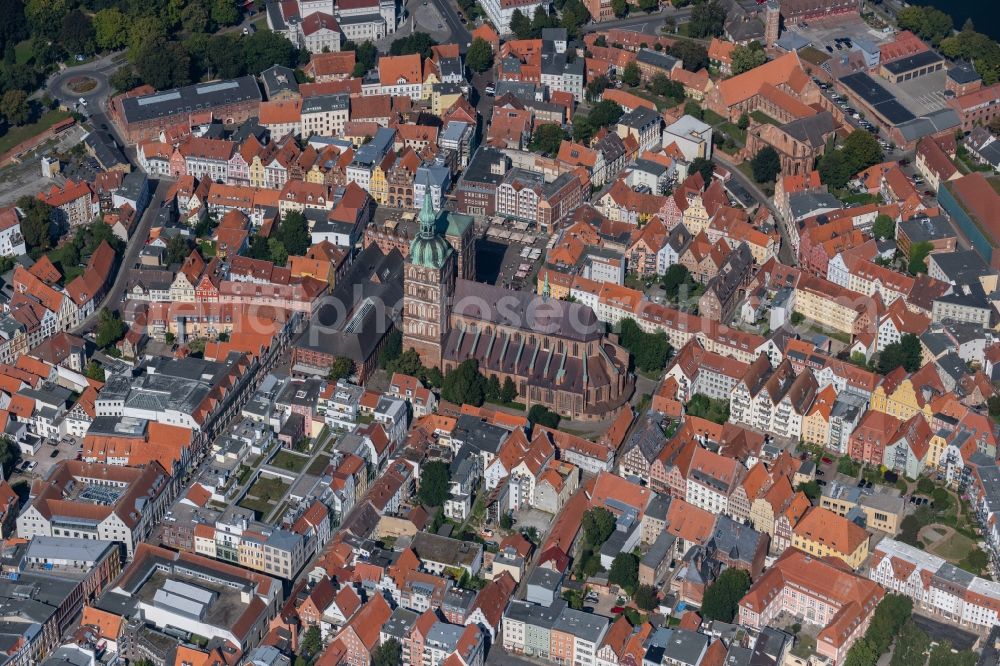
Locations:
280 112
627 100
395 69
690 523
744 86
825 527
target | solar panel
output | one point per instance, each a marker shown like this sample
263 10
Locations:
215 87
156 99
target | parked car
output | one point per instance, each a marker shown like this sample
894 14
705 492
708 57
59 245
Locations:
826 460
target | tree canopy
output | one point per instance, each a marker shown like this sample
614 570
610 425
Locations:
707 19
464 384
766 165
110 329
705 167
693 54
341 368
547 138
748 57
598 524
36 225
624 572
479 57
543 416
631 75
884 227
650 350
926 22
918 257
417 42
434 480
722 598
905 353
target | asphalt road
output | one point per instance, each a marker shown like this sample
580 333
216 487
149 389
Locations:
114 296
459 34
641 22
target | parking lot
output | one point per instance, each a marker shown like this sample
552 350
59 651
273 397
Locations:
825 35
921 95
48 454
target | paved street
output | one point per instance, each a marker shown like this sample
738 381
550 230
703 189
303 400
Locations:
135 244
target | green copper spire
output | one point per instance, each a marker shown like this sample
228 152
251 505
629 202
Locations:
428 248
428 219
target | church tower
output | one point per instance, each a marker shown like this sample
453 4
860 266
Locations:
772 22
428 286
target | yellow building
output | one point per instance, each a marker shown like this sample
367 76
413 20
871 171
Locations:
315 175
559 284
883 512
696 216
823 533
442 101
829 304
816 424
378 187
936 448
897 394
256 172
429 82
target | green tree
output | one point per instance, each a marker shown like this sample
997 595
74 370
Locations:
543 416
124 79
748 57
918 257
195 18
884 227
465 385
834 170
45 16
811 489
365 55
707 19
10 455
94 370
693 54
648 6
861 150
76 34
225 12
479 57
163 64
583 130
631 75
14 107
418 42
506 521
596 88
508 392
703 166
905 353
392 349
178 249
540 21
598 524
605 113
520 25
408 363
911 646
493 388
624 572
646 598
110 29
744 121
312 641
434 480
341 368
574 16
265 48
766 165
36 223
276 252
110 329
722 598
701 406
294 233
927 22
547 138
663 86
389 653
675 276
620 8
693 109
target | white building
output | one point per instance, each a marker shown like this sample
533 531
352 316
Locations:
692 136
501 11
11 240
936 586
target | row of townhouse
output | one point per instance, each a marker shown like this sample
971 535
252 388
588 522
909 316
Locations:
936 587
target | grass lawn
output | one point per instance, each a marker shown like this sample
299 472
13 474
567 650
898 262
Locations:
22 52
261 23
16 135
510 405
711 117
207 248
318 465
860 198
738 135
762 117
289 461
267 490
259 507
953 548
